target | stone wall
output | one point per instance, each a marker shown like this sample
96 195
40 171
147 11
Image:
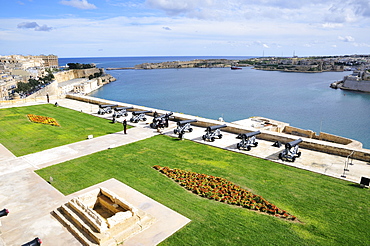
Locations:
75 73
299 132
51 89
322 136
356 85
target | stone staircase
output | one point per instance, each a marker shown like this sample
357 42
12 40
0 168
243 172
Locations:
81 228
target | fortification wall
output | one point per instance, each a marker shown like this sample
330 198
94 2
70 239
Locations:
51 90
356 85
308 143
75 73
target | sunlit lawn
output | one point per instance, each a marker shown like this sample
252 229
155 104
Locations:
332 211
23 137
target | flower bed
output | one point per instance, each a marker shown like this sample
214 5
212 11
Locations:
223 190
42 119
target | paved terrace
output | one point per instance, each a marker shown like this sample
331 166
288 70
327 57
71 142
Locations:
30 199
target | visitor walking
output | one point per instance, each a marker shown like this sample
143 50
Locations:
124 123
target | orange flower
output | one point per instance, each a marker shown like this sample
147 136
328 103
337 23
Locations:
42 120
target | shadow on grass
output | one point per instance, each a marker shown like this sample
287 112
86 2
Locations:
356 185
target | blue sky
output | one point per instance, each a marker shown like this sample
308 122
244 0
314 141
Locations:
89 28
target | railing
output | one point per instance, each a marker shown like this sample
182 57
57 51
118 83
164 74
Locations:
347 163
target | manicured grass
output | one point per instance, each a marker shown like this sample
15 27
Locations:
332 211
23 137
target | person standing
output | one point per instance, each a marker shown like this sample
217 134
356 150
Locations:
47 98
124 123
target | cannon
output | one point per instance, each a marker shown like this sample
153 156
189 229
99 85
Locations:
291 151
120 111
182 126
4 212
139 115
35 242
248 139
212 132
161 121
106 108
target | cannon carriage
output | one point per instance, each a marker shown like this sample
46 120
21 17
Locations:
248 140
106 108
139 115
120 111
212 132
183 126
291 151
161 121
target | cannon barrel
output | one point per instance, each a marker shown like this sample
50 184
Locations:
141 112
164 115
107 105
122 108
293 143
212 128
4 212
34 242
251 134
183 122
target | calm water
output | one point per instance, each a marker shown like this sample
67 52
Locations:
302 99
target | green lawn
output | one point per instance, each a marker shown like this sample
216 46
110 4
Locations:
23 137
332 211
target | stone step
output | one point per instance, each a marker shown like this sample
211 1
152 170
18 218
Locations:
73 229
82 223
82 229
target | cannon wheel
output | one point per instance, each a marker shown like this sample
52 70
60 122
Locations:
190 129
293 158
102 113
220 136
248 147
125 114
144 119
132 120
255 144
299 154
151 125
212 139
280 156
175 131
238 145
118 116
204 137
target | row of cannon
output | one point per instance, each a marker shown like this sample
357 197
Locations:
248 140
136 115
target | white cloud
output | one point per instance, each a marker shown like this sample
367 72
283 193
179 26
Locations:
34 25
174 7
43 28
27 25
346 38
80 4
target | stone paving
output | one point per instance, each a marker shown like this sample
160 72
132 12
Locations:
30 199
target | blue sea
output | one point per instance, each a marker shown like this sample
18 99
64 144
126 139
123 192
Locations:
303 100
